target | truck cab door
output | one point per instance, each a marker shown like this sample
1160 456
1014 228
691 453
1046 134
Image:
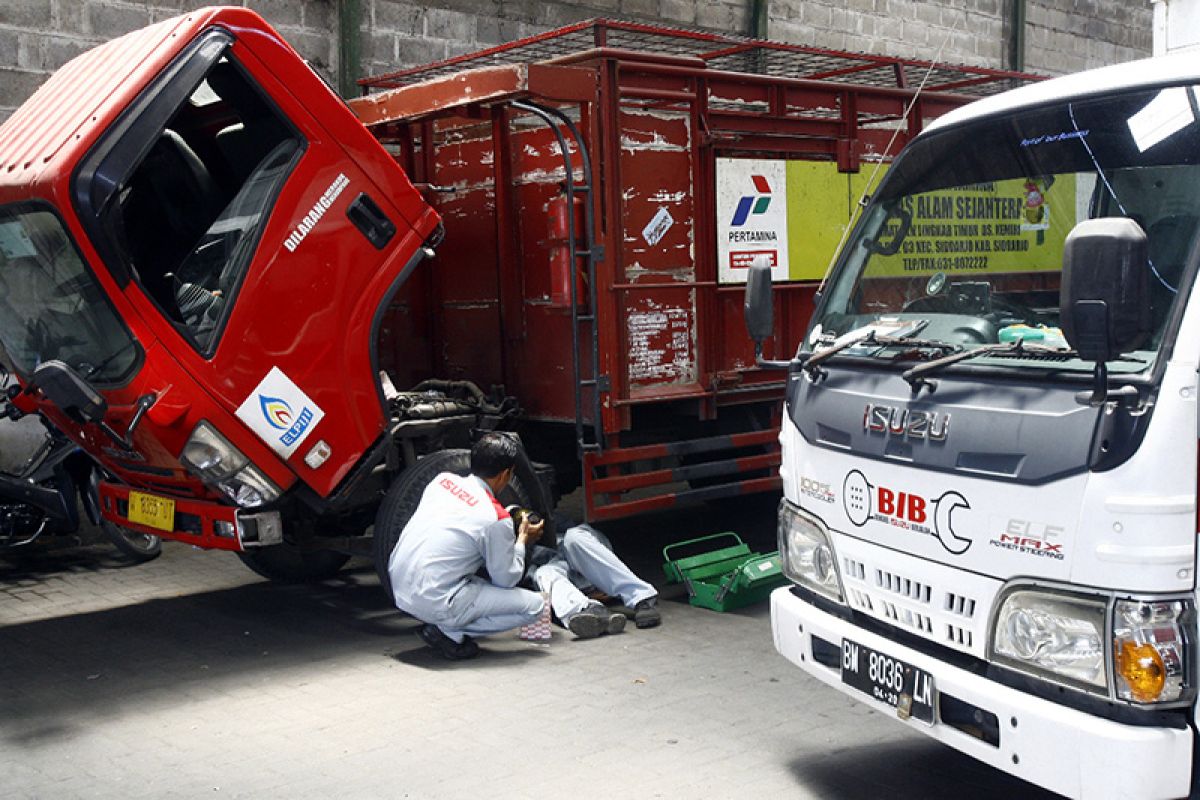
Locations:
256 227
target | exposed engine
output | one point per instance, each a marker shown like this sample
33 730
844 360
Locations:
439 399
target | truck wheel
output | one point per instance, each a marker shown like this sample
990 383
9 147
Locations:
286 563
139 547
404 495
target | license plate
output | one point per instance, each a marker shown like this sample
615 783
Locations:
890 680
152 511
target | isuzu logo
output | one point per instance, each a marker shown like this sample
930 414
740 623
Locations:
903 422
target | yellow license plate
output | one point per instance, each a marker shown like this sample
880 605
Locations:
152 510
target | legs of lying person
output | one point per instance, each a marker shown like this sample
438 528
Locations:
590 554
583 617
585 558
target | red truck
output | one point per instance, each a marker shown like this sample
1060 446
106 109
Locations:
213 270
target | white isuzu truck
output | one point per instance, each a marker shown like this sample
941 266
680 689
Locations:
990 437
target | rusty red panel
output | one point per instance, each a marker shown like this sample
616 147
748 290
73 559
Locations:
658 325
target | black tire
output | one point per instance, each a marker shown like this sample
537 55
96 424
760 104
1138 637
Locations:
138 547
286 563
405 493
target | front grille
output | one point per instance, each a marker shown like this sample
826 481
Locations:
931 601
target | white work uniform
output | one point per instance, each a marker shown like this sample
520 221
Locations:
457 528
585 559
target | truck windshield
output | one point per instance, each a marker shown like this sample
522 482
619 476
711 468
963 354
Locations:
964 241
51 306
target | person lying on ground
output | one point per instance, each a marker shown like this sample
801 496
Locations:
583 561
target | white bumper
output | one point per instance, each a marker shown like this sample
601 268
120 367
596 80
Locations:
1049 745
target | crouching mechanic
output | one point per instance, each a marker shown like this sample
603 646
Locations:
585 560
457 528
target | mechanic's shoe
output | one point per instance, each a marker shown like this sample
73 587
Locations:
445 646
586 625
646 613
613 622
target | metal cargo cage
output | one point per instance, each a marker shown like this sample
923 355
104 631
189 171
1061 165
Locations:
604 187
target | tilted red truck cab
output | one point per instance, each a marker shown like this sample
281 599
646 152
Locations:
132 199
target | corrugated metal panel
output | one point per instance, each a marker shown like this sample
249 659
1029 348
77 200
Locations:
74 96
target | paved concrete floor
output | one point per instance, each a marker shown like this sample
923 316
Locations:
191 677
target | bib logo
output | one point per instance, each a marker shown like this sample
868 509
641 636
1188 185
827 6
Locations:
865 502
279 416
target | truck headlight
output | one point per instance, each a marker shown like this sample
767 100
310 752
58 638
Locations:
806 554
213 459
1150 649
1070 638
1055 635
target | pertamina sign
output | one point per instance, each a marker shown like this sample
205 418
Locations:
752 217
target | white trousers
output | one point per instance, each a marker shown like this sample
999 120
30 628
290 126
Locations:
481 608
585 559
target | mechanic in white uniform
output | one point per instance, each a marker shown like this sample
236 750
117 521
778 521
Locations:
457 528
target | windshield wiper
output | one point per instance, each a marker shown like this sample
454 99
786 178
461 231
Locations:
812 364
916 375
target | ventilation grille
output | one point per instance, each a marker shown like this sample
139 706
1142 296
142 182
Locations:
860 600
855 569
905 587
961 605
907 617
956 635
924 606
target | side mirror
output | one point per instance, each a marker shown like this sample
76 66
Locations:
760 312
67 389
759 307
1104 299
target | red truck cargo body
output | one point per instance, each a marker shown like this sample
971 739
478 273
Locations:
650 361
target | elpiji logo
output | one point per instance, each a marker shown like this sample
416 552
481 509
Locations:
279 416
753 204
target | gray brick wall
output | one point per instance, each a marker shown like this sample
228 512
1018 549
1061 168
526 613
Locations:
38 36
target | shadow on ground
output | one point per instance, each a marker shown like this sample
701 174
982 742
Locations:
104 662
910 768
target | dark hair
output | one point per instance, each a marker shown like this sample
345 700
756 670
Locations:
492 454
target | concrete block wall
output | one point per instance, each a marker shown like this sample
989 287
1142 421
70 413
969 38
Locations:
38 36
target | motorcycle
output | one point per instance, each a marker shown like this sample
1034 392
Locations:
41 499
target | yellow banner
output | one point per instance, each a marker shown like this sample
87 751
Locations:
1007 226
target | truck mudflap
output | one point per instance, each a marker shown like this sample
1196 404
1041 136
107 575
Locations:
198 522
1067 751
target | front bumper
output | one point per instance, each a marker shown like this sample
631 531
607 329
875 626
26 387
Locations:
213 526
1067 751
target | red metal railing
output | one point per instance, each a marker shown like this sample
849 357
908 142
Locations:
721 52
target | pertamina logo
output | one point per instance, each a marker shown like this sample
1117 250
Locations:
753 204
279 415
865 502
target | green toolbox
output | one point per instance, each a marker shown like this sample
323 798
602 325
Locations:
726 578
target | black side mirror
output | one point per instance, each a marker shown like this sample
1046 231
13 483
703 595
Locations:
67 389
760 312
1104 297
759 307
